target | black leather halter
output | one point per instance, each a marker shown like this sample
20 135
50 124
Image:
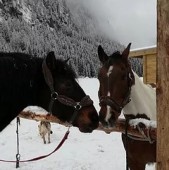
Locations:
85 101
117 107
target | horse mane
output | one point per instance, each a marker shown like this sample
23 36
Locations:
20 73
23 76
63 68
116 55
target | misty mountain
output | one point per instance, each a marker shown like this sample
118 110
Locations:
63 26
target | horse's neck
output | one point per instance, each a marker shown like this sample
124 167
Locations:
143 100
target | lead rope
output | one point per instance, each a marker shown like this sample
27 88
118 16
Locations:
17 140
126 140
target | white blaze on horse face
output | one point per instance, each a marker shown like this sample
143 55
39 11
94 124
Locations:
109 71
108 114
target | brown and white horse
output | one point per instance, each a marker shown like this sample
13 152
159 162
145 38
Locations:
122 90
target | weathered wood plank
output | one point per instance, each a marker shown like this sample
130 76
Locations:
163 85
136 53
149 63
119 127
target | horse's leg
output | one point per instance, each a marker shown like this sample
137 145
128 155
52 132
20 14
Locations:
134 159
139 152
133 165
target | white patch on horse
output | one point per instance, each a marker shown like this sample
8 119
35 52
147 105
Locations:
109 71
143 100
108 114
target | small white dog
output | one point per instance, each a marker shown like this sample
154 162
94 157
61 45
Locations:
45 129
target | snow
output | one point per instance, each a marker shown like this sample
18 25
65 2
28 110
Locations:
147 123
143 48
80 151
27 14
37 110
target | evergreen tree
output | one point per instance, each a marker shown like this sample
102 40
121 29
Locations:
53 27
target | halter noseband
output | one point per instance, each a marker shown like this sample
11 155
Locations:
107 100
86 101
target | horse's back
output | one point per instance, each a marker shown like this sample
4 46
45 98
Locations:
17 67
18 72
19 75
14 62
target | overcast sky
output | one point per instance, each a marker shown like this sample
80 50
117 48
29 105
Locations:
126 20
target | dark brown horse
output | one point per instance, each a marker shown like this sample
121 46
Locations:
118 85
49 83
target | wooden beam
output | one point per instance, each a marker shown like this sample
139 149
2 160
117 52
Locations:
41 117
131 130
139 53
148 56
119 127
163 85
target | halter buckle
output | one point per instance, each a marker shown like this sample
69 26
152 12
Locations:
54 95
78 106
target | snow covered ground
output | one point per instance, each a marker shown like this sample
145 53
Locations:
94 151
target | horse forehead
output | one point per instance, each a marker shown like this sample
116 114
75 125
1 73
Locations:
109 70
113 69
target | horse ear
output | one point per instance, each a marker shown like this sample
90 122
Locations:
126 52
102 55
50 60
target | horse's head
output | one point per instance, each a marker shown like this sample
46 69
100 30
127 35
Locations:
116 78
68 101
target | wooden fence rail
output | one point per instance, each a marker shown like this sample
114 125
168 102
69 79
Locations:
119 127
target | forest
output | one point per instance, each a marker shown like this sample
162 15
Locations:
37 27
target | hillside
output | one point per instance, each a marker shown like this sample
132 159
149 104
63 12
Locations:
64 26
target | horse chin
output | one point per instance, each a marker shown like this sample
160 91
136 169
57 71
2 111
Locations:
110 123
104 123
86 130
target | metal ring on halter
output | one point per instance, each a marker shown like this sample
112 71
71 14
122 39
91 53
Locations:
54 95
78 106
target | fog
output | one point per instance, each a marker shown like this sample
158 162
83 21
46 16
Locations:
126 20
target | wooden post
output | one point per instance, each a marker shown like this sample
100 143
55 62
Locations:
162 85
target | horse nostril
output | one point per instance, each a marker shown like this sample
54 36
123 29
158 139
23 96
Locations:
94 117
104 123
112 121
101 117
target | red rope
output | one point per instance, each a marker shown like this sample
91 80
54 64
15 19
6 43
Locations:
43 156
